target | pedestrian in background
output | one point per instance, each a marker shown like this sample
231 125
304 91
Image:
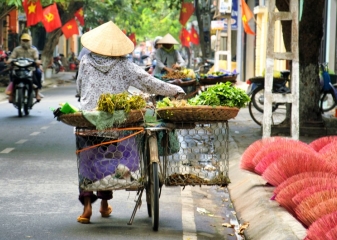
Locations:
168 59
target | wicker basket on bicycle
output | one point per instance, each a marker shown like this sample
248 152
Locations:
197 113
78 120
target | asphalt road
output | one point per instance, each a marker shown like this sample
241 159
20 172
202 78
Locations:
39 189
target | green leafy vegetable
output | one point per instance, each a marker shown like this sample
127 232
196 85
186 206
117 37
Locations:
221 94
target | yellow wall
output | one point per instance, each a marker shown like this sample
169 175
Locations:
261 40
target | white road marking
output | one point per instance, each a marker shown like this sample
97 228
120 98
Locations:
35 133
46 127
21 141
187 212
7 150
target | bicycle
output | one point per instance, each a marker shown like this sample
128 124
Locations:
328 95
256 105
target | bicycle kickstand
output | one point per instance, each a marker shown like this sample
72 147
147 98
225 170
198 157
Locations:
138 204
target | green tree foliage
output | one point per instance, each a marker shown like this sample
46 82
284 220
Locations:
146 18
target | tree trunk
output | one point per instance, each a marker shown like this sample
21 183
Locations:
201 30
310 37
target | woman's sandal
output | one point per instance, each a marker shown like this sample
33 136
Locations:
84 220
106 213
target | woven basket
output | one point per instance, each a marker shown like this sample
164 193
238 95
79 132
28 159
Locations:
197 114
78 120
182 83
208 81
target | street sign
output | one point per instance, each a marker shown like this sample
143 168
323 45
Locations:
225 6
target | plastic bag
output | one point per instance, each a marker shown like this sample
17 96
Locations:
9 88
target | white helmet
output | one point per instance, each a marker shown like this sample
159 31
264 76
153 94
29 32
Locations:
155 41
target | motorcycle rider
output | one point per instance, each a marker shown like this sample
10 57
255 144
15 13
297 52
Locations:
26 50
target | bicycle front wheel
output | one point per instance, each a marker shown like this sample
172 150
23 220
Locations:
154 180
152 186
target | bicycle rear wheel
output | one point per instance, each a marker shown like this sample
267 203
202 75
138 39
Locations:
152 186
328 100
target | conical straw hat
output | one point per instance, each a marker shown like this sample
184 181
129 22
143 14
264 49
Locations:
108 40
168 39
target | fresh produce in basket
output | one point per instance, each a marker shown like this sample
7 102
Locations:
122 101
217 74
166 102
221 94
181 74
189 73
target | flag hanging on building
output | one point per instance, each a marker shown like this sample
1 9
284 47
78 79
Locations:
33 10
194 36
70 28
132 37
80 16
51 18
246 16
186 11
185 38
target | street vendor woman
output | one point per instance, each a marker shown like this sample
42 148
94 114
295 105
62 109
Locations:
107 70
168 59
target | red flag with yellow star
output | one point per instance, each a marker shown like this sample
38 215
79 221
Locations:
185 38
80 16
51 18
70 28
132 37
246 16
33 10
186 11
194 36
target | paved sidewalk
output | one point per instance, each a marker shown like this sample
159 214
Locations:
249 193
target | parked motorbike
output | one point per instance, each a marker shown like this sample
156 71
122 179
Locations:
22 77
57 64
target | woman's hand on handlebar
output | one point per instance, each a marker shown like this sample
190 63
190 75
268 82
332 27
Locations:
179 95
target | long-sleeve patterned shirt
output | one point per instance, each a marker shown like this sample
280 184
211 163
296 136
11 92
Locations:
100 74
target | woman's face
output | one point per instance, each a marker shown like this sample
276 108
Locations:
168 46
25 44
